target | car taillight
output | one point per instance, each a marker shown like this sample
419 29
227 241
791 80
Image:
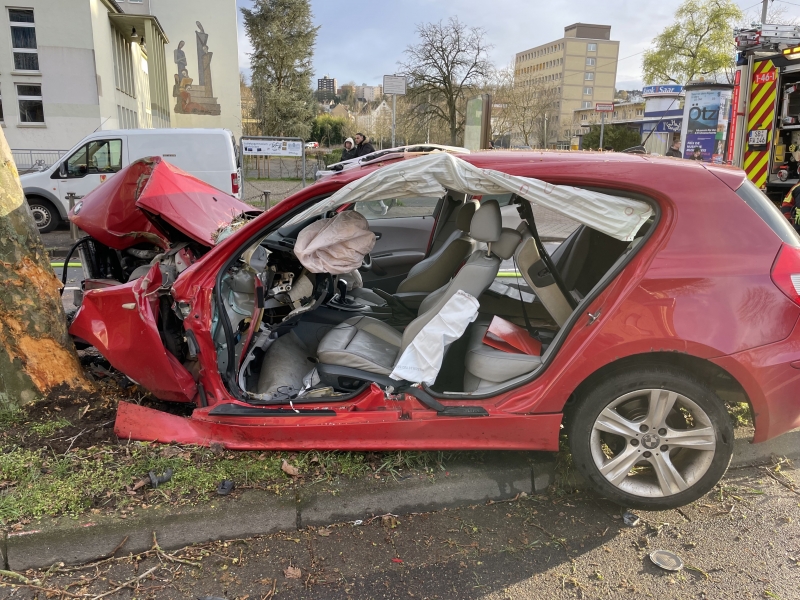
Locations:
786 272
234 183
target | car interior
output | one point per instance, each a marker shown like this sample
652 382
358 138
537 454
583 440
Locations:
290 335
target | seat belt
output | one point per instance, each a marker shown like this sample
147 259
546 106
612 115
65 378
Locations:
526 213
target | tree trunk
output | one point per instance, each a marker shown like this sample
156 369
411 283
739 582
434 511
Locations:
36 353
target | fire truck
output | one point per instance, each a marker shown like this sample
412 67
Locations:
765 135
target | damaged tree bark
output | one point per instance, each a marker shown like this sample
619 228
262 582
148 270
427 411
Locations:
36 353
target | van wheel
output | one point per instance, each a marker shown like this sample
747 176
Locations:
654 438
44 213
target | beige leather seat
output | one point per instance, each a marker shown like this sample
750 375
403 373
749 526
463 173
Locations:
436 270
362 346
485 366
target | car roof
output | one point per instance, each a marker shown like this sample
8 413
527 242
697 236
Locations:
611 162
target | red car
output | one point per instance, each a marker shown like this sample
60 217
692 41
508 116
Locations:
678 292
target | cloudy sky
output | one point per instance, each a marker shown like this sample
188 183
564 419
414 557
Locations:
362 40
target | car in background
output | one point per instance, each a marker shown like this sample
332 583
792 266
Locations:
312 144
211 155
678 292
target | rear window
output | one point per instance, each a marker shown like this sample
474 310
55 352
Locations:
769 213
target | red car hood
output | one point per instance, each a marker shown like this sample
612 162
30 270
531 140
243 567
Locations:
147 198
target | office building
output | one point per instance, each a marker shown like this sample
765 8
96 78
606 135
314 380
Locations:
581 66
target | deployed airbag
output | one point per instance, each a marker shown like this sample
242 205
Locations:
433 175
422 359
336 245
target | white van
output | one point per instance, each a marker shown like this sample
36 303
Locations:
208 154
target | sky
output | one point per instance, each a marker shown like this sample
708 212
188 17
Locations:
362 40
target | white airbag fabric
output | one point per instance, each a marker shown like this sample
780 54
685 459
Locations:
434 174
336 245
422 359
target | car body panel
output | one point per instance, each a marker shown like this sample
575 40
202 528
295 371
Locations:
120 321
121 212
699 285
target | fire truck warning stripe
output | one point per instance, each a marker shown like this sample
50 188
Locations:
759 170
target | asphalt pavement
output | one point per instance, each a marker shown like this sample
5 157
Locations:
739 541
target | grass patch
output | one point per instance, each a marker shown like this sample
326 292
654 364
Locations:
48 428
40 483
740 414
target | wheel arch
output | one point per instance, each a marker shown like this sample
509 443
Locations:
49 198
724 384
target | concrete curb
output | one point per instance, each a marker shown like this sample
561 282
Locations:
501 476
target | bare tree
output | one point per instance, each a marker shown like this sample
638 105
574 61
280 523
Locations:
444 68
524 109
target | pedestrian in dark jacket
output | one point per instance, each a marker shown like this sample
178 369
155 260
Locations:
349 149
363 146
675 150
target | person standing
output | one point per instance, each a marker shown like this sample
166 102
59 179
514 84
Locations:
349 150
675 150
363 146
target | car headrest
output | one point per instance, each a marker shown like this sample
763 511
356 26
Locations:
465 213
486 223
507 244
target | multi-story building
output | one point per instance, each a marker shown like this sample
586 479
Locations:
369 93
326 88
75 66
581 66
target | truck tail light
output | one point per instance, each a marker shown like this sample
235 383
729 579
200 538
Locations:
234 183
786 272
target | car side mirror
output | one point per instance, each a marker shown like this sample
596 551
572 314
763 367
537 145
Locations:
62 170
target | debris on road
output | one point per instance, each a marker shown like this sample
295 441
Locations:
630 519
669 561
225 487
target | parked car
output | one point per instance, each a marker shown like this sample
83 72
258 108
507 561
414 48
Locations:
208 154
312 144
676 293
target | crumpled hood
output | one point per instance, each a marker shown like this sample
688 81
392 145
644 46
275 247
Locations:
147 198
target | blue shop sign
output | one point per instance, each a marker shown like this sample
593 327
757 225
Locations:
655 90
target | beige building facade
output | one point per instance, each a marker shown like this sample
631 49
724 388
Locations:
581 66
624 112
202 60
71 67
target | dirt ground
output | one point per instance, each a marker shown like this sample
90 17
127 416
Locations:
739 541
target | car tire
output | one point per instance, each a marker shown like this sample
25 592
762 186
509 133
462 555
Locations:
651 438
44 214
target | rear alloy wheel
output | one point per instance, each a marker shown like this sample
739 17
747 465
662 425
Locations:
44 215
651 439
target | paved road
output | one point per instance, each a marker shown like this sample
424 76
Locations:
740 541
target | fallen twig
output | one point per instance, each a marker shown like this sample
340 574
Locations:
785 484
126 584
17 576
161 554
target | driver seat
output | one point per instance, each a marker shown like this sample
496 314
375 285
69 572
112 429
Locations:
363 349
433 272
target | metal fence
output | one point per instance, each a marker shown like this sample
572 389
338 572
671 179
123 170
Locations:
36 160
268 180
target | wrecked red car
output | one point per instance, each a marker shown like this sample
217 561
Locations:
148 209
365 313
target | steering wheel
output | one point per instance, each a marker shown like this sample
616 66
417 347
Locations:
366 262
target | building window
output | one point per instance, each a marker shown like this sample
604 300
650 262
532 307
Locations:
31 109
23 39
123 64
584 117
591 47
590 61
588 76
586 104
587 91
